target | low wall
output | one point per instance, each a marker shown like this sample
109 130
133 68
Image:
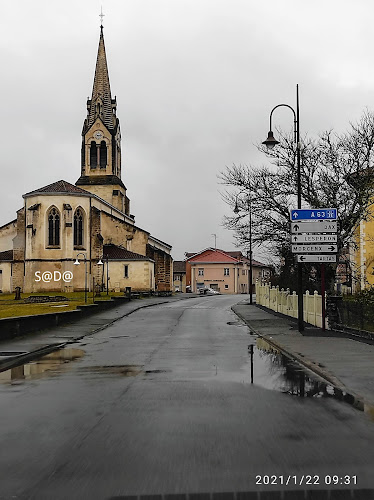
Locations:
20 325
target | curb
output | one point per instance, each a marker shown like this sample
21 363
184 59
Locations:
21 359
348 396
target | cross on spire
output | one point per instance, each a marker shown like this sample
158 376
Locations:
101 15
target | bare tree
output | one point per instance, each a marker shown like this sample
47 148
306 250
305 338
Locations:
336 171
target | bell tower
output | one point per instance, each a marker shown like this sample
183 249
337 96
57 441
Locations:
101 140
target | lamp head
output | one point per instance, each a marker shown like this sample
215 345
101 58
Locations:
100 263
76 263
270 141
236 209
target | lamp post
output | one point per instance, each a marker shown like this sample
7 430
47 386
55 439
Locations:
100 263
76 263
250 277
270 143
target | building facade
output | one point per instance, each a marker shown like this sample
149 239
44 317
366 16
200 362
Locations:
87 223
225 272
179 276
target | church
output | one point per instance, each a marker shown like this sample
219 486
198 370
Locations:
70 237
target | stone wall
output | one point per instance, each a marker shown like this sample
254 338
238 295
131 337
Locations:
19 251
163 268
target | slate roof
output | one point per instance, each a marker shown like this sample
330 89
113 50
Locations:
7 255
115 252
179 266
58 187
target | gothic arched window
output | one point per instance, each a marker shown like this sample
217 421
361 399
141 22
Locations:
93 155
103 155
78 227
53 227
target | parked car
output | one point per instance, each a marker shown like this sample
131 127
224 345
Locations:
211 291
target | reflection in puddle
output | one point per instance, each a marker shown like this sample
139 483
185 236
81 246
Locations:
124 370
277 371
48 364
285 375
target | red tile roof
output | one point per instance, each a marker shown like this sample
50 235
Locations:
212 255
236 254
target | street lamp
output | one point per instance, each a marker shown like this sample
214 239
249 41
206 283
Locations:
76 263
100 263
270 142
250 279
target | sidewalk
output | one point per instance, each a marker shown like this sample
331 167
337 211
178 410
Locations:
19 350
347 364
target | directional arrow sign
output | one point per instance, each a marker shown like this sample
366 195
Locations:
318 226
314 238
314 214
314 248
316 258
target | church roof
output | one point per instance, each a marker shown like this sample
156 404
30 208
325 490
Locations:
114 252
58 187
6 255
101 91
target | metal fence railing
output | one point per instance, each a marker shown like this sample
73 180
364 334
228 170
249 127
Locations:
356 315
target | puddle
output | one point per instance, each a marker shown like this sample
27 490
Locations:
49 364
157 371
124 370
274 370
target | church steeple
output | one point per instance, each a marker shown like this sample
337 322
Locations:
101 139
101 103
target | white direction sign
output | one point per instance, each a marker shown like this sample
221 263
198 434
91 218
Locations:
316 258
314 238
318 226
314 248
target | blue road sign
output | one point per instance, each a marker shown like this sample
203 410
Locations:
314 214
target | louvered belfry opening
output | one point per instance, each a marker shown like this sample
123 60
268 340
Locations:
93 155
103 154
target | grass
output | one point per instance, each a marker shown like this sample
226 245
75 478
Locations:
11 308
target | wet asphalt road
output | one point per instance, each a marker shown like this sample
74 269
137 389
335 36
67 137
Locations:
161 402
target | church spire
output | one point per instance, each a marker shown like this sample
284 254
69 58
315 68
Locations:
101 105
101 140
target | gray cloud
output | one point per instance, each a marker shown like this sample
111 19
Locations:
195 82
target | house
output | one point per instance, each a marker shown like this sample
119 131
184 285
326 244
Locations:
179 276
226 272
89 223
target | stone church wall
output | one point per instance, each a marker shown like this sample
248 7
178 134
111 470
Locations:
6 277
120 233
7 233
19 251
163 268
140 275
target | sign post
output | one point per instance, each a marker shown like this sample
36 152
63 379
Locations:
314 239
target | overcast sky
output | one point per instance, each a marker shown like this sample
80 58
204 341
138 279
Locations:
195 81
